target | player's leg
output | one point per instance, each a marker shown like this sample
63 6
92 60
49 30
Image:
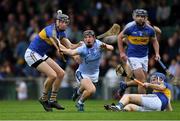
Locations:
125 100
55 87
139 67
128 82
141 76
78 90
35 60
51 77
131 107
88 89
145 102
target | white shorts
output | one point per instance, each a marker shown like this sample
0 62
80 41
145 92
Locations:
33 58
79 75
150 102
136 63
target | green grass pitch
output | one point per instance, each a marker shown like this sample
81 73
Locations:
32 110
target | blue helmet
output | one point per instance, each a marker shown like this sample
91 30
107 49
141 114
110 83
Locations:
140 12
160 75
62 17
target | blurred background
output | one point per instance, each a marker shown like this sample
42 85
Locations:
21 20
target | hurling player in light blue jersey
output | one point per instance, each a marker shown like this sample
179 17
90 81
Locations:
35 56
138 34
159 100
88 72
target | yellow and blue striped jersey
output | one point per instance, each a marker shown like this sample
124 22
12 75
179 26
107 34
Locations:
138 39
41 43
164 95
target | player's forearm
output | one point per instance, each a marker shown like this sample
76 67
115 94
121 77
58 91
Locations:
156 46
109 47
120 43
74 46
69 52
157 30
156 87
54 43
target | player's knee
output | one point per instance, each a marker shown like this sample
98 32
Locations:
126 96
131 98
52 76
91 90
61 74
129 107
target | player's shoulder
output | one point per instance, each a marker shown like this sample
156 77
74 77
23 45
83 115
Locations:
130 24
98 41
148 26
50 26
83 46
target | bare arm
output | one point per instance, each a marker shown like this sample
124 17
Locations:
54 43
57 45
69 52
66 42
107 47
159 86
156 47
157 30
120 42
121 36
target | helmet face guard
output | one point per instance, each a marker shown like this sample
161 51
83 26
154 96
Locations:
88 32
140 12
158 76
63 18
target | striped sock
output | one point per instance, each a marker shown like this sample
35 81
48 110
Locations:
44 96
120 105
80 101
53 96
79 92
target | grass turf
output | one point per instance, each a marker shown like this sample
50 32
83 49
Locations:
32 110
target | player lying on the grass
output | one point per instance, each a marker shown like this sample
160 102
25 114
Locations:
88 72
159 100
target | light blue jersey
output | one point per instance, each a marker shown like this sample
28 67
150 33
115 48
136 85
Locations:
90 59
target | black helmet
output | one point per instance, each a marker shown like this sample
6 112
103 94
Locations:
88 32
62 17
140 12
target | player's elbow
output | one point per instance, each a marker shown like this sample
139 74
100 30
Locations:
111 48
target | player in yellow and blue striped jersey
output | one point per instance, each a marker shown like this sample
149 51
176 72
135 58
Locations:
139 34
35 56
159 100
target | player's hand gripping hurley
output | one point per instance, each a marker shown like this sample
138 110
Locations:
120 71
